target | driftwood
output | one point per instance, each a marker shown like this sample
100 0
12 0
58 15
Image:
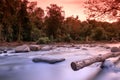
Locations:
86 62
48 60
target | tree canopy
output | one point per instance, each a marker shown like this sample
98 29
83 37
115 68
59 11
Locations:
21 20
103 9
54 20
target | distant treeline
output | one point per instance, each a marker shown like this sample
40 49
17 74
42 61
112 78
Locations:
21 20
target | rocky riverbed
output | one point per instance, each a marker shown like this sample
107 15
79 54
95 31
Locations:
19 66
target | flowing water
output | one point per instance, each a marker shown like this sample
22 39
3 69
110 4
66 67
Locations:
19 66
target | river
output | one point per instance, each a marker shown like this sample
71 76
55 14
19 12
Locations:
19 66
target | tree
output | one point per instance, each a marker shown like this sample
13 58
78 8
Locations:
24 22
6 18
103 9
72 26
18 18
98 34
36 15
54 20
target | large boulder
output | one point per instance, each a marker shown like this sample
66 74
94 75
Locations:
35 47
115 49
23 48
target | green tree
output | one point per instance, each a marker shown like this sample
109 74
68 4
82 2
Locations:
54 20
98 34
72 26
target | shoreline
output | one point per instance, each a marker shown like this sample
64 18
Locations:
14 44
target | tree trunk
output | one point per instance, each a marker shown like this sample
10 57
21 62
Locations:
86 62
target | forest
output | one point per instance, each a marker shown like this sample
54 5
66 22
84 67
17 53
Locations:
44 44
21 20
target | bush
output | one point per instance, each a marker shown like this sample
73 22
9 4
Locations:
36 33
43 40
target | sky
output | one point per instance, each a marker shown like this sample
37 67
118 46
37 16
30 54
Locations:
71 7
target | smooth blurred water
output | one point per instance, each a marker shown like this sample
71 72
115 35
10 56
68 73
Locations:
19 66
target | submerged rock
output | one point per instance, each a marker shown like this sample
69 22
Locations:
107 47
108 65
50 60
115 49
23 48
78 47
5 51
84 49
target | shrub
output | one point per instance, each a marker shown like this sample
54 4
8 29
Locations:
43 40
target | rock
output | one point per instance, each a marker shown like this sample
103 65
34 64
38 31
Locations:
93 45
46 48
115 49
107 47
84 49
23 48
50 60
78 47
72 45
1 52
5 51
101 46
107 65
61 46
35 47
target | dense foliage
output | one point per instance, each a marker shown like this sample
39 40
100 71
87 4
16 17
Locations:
21 20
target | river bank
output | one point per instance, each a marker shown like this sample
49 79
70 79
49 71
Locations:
14 44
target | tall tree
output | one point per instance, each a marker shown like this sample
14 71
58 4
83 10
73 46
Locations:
36 15
6 18
24 20
54 20
72 27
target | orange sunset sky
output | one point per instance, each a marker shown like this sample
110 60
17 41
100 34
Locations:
71 7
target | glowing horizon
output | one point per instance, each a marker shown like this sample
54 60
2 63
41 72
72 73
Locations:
71 7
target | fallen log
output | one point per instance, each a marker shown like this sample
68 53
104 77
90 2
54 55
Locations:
86 62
